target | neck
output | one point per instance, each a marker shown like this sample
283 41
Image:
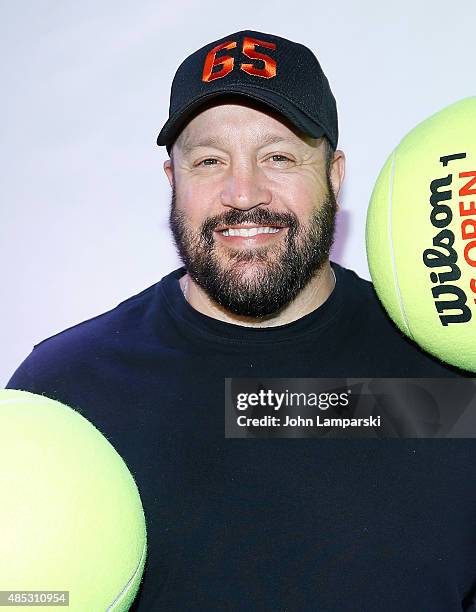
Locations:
311 297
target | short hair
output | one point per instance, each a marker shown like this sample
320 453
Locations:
330 152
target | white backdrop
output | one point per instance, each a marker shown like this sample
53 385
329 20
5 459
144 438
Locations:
85 88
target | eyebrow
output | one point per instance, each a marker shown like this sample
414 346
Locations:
213 141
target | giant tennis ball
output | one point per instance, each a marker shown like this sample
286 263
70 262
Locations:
71 518
421 235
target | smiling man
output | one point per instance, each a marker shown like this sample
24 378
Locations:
264 524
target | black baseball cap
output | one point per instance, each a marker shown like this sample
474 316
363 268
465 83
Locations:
283 75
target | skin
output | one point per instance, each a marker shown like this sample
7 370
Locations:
236 154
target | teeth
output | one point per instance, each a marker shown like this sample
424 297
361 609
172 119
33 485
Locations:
252 231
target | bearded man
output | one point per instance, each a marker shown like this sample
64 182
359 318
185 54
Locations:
309 524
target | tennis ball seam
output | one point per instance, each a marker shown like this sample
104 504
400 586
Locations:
130 582
390 241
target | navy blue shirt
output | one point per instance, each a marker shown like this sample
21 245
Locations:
269 524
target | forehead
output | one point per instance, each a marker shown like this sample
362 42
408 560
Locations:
237 121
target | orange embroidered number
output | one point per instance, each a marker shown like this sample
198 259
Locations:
227 62
269 69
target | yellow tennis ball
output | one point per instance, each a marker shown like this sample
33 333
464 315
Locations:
71 518
421 234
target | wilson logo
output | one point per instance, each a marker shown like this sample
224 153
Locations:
450 298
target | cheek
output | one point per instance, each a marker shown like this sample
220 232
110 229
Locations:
301 197
198 199
195 201
305 187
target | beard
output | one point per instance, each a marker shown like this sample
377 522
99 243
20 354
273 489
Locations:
256 282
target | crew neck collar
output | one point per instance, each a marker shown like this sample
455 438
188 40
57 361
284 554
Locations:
204 325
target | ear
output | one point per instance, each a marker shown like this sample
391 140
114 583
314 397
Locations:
169 171
337 172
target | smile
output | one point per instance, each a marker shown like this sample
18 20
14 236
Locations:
249 231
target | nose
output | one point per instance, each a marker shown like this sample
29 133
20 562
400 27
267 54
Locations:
245 187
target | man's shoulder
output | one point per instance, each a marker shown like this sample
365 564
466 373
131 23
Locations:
364 310
356 290
360 292
96 339
104 325
376 336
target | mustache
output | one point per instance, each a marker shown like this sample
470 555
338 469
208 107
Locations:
258 216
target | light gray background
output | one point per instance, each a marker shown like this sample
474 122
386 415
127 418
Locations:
85 88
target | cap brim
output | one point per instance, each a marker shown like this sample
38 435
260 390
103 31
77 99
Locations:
276 102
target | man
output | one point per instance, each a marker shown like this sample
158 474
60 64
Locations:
308 524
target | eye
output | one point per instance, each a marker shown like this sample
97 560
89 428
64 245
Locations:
209 161
278 158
